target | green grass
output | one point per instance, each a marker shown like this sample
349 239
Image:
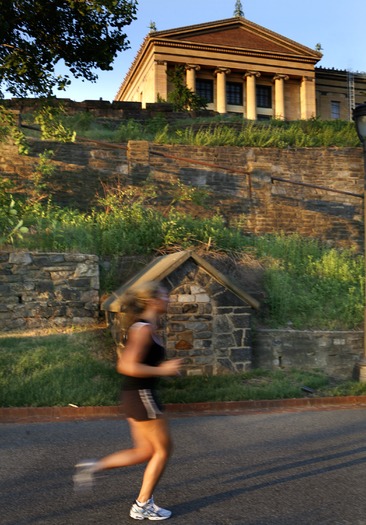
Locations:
57 369
253 385
78 367
219 132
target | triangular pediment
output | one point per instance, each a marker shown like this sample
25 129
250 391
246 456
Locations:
239 34
161 267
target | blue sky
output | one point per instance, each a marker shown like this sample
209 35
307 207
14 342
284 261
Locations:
338 26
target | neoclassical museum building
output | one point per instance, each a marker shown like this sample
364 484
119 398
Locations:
238 66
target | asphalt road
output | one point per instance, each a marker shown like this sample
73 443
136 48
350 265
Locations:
300 468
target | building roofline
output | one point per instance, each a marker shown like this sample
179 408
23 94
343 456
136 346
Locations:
156 37
161 267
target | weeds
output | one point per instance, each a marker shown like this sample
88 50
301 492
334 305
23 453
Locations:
309 285
210 131
306 284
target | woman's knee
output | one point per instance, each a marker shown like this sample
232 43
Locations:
145 453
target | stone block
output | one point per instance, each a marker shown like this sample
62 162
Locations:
182 344
44 287
202 298
221 324
241 354
185 298
21 258
241 321
190 308
224 341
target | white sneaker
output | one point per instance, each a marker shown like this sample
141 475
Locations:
84 474
149 511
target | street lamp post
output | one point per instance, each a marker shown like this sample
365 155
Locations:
359 116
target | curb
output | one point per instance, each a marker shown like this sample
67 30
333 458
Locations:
74 413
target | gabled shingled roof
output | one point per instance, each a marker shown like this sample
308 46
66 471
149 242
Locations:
159 268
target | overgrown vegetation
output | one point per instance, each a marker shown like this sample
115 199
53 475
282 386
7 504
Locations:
78 368
215 131
305 283
309 285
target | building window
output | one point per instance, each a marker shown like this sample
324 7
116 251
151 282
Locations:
204 89
335 109
264 96
264 117
234 93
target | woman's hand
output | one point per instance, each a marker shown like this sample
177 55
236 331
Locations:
170 367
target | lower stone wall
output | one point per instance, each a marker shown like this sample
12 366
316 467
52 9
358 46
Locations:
48 289
335 353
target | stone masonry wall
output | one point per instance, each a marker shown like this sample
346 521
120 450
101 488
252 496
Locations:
48 289
81 170
335 353
251 196
207 325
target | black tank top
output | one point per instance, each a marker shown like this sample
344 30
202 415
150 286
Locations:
154 355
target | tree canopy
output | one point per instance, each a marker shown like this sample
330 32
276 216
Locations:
36 35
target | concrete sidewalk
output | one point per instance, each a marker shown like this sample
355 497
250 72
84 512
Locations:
69 413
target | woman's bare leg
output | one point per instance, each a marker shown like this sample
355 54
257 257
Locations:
157 433
152 444
141 452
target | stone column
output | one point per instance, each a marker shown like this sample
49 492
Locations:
279 111
251 95
307 98
191 76
221 73
161 80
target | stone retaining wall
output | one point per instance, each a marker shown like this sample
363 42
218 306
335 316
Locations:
48 289
251 197
255 199
335 353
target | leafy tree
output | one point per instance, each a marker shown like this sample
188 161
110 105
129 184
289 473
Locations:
238 10
35 35
182 98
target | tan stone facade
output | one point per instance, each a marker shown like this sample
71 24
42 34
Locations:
240 67
235 65
338 92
